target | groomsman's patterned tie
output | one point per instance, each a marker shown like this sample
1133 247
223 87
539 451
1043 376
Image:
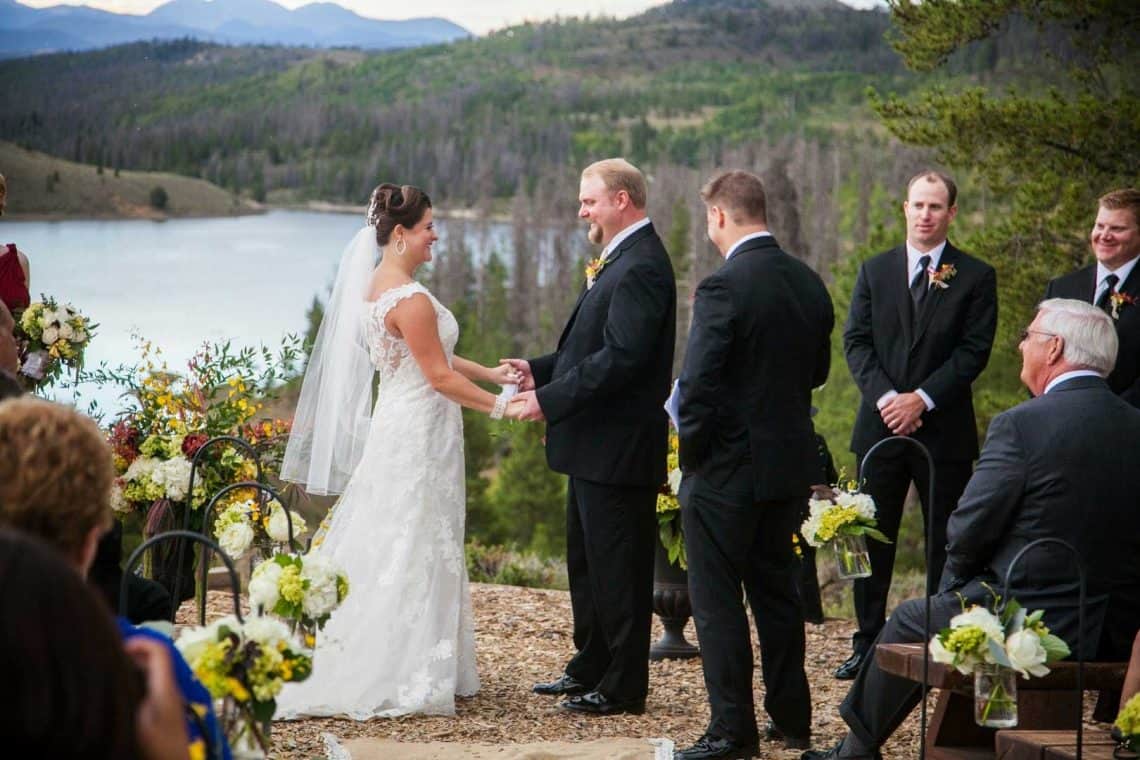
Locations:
920 284
1110 288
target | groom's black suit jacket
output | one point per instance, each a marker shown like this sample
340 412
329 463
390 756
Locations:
603 389
942 351
759 343
1080 285
1062 466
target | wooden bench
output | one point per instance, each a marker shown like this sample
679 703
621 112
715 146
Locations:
1045 703
1053 745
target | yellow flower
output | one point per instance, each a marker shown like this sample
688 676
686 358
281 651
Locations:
197 749
237 690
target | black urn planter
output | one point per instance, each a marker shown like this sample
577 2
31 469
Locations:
671 604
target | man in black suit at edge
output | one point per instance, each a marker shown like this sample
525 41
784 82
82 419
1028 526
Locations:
759 344
919 332
1057 466
1113 284
601 394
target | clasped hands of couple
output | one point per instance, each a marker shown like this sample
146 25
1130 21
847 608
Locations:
518 387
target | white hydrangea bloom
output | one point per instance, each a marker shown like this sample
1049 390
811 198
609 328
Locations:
675 480
235 539
142 467
321 596
119 505
174 476
263 589
278 526
266 630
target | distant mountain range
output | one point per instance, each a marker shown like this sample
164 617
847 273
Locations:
30 31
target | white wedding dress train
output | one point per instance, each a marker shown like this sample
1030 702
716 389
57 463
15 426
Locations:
403 641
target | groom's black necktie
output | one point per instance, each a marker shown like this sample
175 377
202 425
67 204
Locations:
919 285
1109 289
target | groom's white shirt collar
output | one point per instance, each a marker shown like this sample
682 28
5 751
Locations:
913 255
621 236
743 240
1069 376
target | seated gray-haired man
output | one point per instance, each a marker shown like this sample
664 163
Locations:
1059 465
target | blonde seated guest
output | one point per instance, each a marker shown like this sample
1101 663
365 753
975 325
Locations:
55 485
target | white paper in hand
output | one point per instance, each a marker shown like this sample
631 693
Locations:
673 404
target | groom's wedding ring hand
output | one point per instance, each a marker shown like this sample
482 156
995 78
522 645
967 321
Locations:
522 366
531 410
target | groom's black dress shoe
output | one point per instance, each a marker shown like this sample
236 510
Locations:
596 703
562 687
850 667
772 733
710 747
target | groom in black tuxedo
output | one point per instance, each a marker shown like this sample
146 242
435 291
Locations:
918 334
759 344
601 394
1113 284
1057 466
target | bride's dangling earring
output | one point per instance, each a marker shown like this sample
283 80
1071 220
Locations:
401 247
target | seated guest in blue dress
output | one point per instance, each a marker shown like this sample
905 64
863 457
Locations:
55 484
1060 465
73 689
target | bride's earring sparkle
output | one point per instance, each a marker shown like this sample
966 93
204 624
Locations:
401 247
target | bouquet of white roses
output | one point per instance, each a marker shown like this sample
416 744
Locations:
303 590
979 641
245 664
243 520
54 336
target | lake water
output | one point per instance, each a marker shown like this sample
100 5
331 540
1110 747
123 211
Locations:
178 283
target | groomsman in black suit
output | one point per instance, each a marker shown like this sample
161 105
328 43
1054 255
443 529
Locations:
601 395
759 343
919 333
1057 466
1113 284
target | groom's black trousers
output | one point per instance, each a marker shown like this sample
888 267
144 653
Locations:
732 543
611 532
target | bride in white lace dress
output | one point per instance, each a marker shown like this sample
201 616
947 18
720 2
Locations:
403 641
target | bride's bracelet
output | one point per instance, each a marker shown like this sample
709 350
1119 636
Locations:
500 406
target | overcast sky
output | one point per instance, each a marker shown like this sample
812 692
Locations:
480 16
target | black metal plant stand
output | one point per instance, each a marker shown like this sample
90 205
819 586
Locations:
1080 621
929 559
180 536
195 465
266 495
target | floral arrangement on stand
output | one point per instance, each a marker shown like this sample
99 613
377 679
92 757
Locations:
249 522
669 509
995 647
52 338
844 520
245 665
171 415
1126 728
301 590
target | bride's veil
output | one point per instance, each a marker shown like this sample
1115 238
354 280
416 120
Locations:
331 423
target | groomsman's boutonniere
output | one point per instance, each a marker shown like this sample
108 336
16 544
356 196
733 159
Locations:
1120 300
940 277
592 270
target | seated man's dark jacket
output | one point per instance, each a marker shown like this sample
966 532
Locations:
1061 465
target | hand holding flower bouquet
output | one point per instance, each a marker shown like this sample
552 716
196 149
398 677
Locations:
246 665
844 520
53 337
995 647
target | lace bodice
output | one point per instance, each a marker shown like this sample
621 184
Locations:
391 355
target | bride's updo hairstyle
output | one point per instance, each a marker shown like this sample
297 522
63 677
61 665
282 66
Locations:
396 204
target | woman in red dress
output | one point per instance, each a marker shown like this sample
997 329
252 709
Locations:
15 274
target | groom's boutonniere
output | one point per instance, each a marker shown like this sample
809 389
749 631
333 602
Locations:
592 270
940 277
1119 301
